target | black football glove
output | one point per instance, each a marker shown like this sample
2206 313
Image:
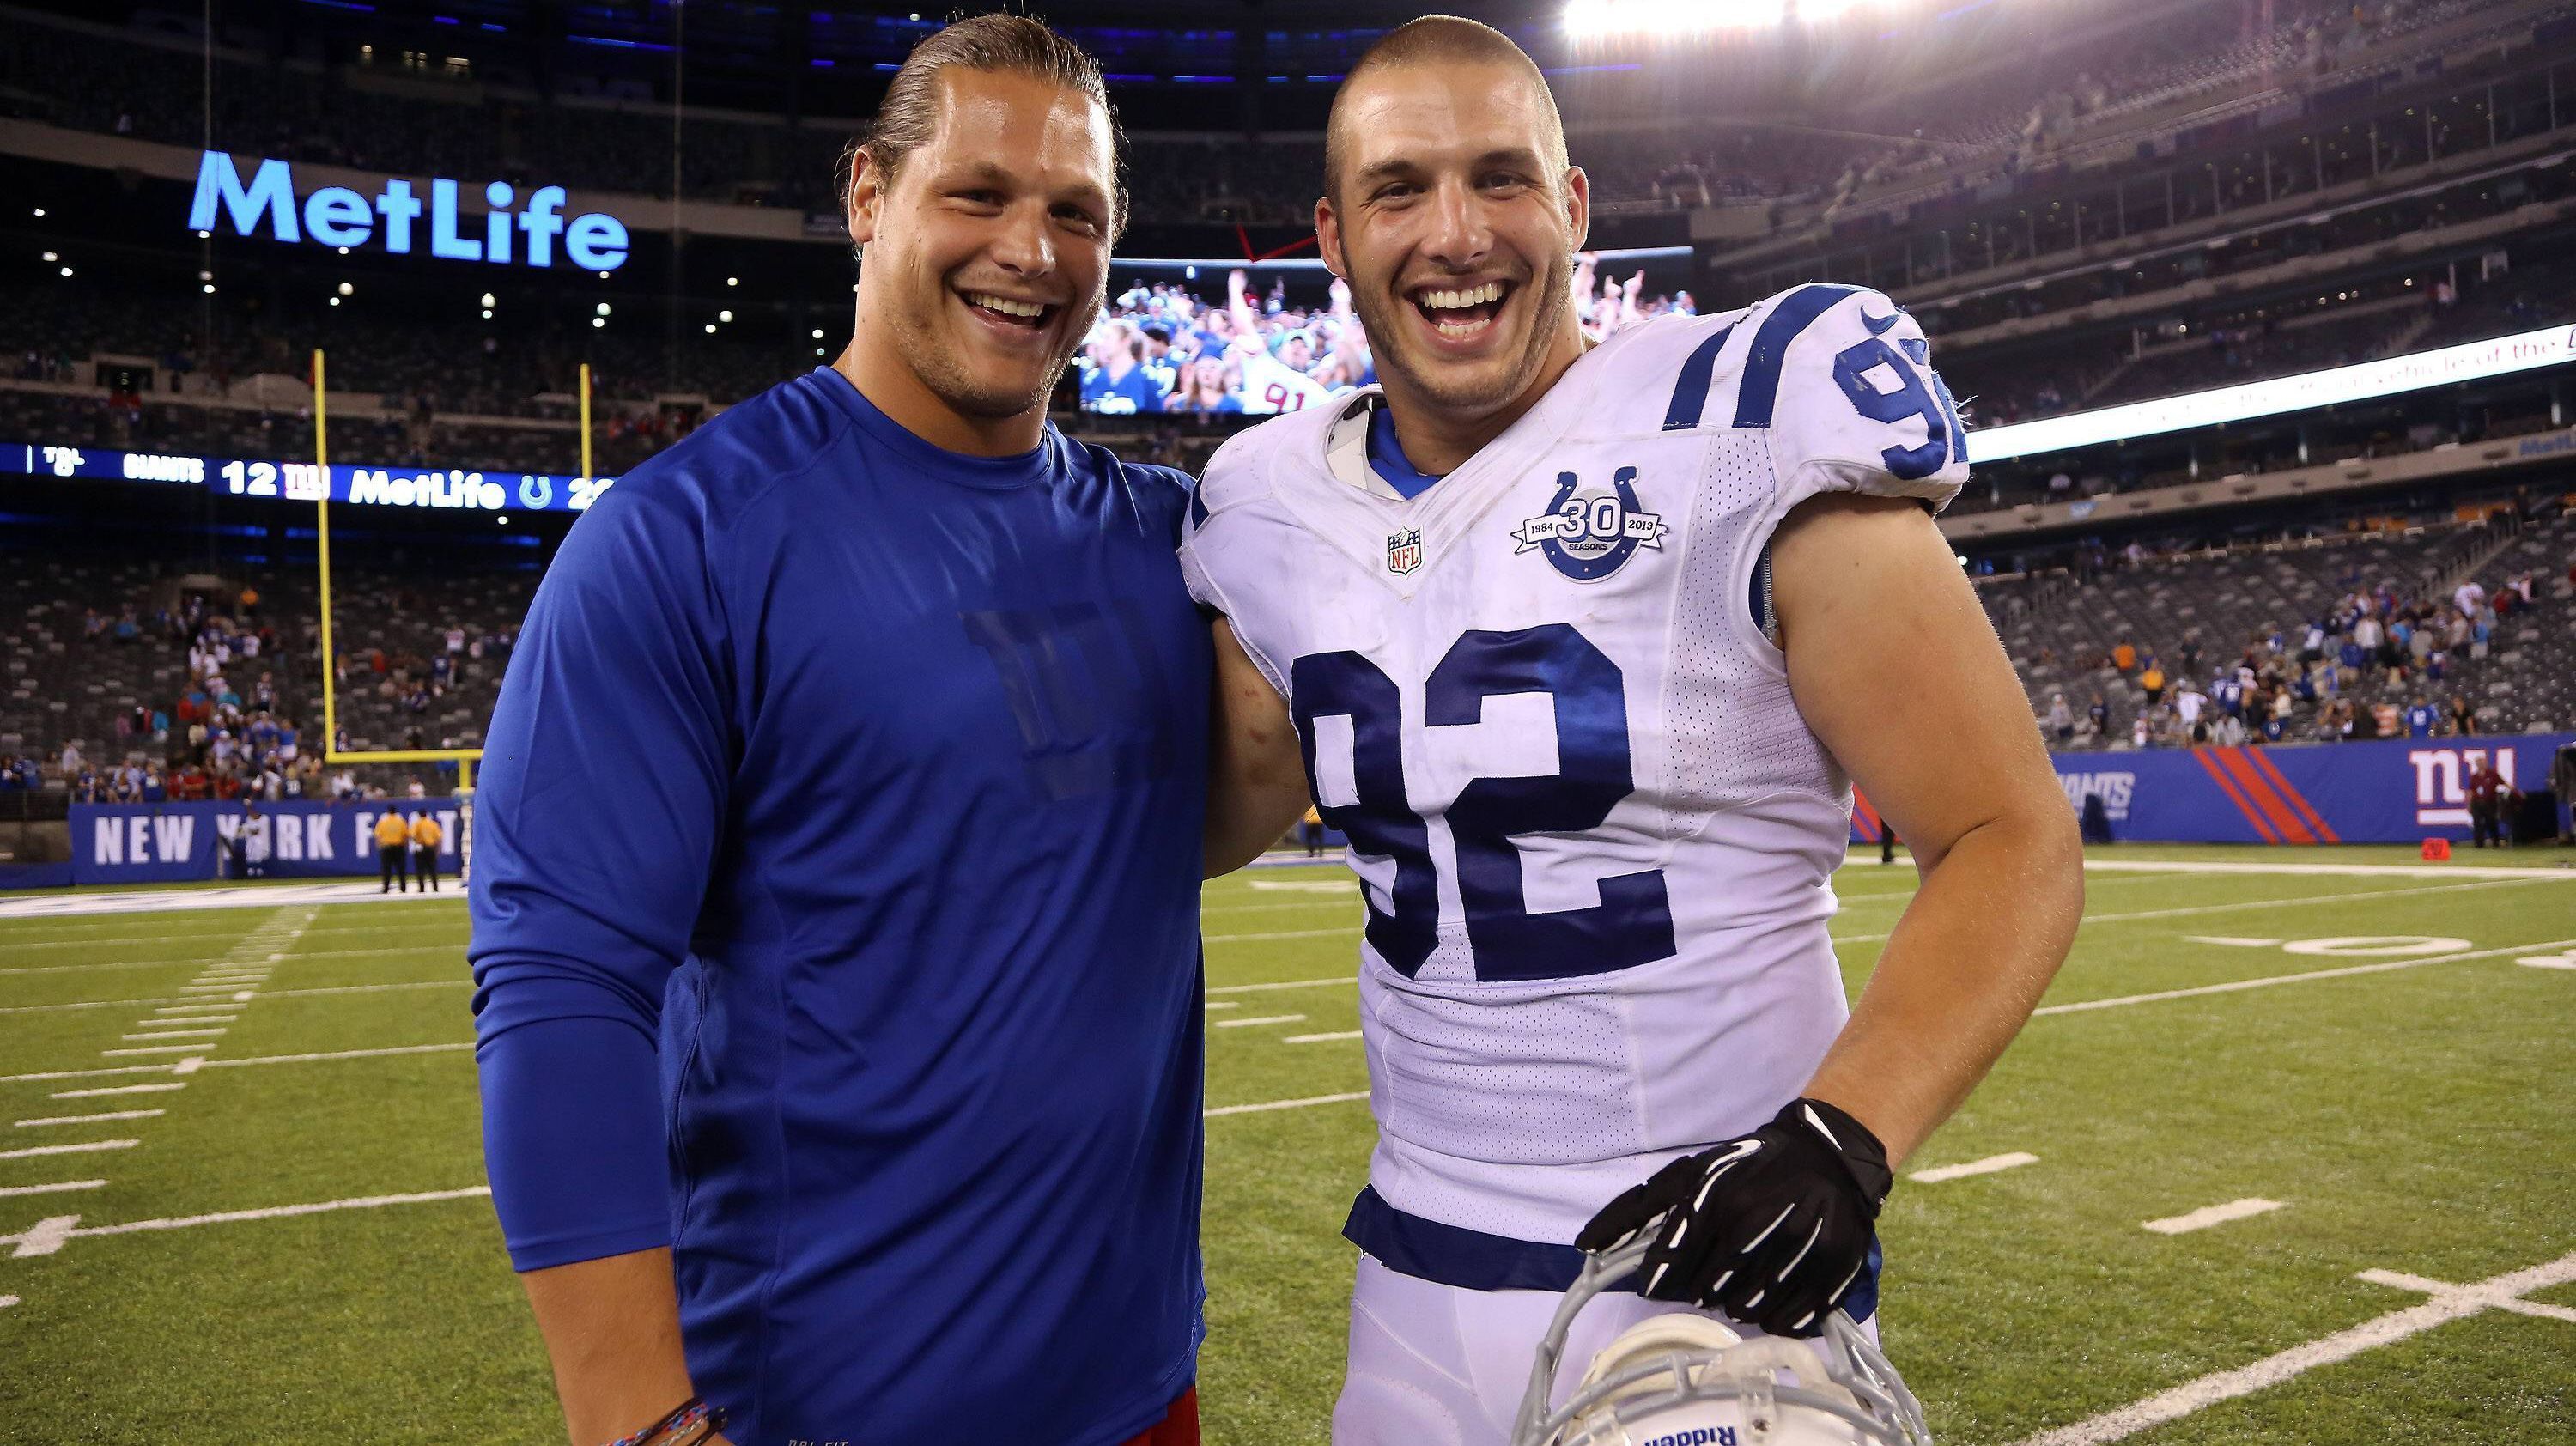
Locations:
1772 1228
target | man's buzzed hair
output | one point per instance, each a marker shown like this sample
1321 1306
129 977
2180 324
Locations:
1436 40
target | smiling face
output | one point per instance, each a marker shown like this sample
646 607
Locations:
1455 221
987 251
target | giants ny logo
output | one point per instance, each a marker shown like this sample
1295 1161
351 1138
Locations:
2441 779
2112 788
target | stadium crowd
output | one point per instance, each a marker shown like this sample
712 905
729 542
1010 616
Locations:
2420 630
1160 348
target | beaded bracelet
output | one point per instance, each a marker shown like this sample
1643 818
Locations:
690 1423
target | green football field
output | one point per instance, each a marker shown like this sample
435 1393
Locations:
241 1189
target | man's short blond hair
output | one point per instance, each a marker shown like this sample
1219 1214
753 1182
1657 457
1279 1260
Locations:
1437 40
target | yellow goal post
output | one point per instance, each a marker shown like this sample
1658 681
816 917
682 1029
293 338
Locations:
332 752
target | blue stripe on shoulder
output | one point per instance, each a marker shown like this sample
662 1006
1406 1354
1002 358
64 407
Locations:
1756 395
1690 392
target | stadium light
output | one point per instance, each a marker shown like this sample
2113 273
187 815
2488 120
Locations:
1602 19
603 308
711 328
347 290
335 301
210 288
724 316
488 301
733 281
487 314
40 213
67 271
599 321
818 333
49 256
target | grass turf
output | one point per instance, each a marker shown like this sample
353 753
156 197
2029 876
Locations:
2409 1119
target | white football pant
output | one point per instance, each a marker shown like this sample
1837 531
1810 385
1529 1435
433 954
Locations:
1440 1365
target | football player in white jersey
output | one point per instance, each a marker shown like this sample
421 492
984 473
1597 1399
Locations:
1583 649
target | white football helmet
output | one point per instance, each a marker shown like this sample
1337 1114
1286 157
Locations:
1688 1380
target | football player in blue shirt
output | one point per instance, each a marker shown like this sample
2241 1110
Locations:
836 906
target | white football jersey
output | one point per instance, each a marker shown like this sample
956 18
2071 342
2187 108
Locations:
1271 385
1593 832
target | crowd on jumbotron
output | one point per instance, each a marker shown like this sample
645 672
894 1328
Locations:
1162 348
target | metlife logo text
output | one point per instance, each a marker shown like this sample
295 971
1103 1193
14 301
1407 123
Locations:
338 216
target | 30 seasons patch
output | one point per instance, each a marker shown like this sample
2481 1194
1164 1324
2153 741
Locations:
1588 533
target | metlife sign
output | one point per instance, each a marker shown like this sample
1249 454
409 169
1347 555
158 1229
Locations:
432 489
338 216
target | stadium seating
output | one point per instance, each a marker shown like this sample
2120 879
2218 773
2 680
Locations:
2061 626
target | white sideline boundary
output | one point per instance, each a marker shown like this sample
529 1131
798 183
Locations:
42 1241
214 1003
2530 876
2384 871
1346 979
2449 1303
1267 1106
2385 966
56 905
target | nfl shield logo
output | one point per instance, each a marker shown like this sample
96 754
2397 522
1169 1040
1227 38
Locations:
1404 551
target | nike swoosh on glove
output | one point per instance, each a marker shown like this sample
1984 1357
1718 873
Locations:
1772 1228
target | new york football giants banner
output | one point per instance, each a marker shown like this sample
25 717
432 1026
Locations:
159 843
2390 791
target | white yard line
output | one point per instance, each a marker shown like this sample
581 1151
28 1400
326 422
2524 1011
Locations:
1284 934
2386 966
2535 876
1346 979
2494 1295
177 1034
57 1189
86 1148
113 1090
2208 1215
50 1074
337 1054
1987 1166
2219 1386
155 1049
264 994
1321 1038
192 1019
1284 1105
1250 1020
54 905
53 1240
87 1119
2383 871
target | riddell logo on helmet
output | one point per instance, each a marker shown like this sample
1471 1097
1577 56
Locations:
1697 1436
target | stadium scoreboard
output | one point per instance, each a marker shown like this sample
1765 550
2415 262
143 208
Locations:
430 489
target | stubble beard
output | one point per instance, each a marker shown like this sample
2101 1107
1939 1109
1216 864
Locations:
1482 388
935 361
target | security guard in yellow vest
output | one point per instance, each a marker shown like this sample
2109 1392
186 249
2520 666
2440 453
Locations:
425 837
393 838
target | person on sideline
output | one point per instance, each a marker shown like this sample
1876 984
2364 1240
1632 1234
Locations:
426 836
844 1079
393 848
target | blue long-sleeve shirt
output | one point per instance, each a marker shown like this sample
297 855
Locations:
835 912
